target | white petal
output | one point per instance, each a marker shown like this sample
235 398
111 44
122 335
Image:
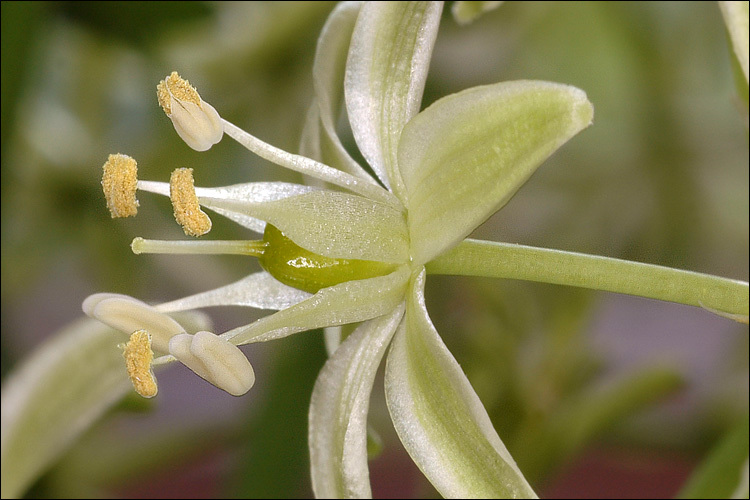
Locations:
736 18
259 290
328 78
332 338
438 416
338 410
347 302
385 75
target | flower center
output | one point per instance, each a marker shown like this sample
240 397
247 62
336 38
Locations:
299 268
280 257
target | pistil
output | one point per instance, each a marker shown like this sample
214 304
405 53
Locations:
253 248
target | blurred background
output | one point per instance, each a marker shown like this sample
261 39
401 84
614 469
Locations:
595 394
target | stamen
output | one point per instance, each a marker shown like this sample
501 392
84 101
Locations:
187 210
253 248
214 359
196 121
119 182
127 314
138 357
364 186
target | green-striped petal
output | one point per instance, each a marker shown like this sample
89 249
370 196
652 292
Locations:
333 224
438 416
736 18
385 75
463 158
328 78
338 410
347 302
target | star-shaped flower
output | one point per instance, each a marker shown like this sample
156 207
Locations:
352 248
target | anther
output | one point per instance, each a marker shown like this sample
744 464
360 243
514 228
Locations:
196 121
187 210
138 357
215 360
179 88
119 182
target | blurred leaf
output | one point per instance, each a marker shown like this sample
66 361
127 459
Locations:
275 462
582 417
21 22
66 385
135 23
105 460
720 473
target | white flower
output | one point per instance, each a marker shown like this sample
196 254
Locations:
351 251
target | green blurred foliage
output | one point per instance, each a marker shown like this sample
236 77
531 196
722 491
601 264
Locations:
661 177
717 475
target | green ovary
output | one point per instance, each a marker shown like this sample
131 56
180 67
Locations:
304 270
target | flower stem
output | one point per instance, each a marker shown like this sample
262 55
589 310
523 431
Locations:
722 296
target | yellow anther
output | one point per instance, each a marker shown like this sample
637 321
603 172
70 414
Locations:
187 210
175 86
194 120
119 182
138 356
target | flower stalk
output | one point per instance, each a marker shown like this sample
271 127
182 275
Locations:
723 296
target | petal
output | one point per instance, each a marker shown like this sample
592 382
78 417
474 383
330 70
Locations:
385 75
332 338
736 18
333 224
466 12
338 411
59 391
309 141
347 302
259 290
438 416
251 192
328 78
465 156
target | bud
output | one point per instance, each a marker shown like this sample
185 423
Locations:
215 360
196 121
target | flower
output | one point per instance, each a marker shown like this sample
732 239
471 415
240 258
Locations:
354 248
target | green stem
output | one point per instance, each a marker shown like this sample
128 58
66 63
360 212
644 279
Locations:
723 296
